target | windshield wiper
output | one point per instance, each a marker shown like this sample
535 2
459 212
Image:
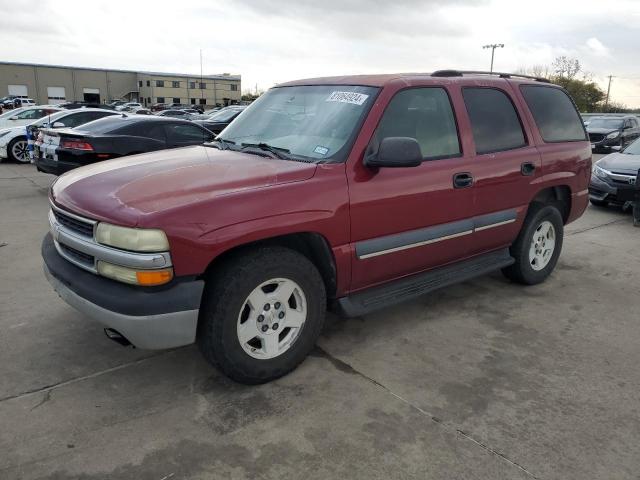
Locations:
281 153
223 144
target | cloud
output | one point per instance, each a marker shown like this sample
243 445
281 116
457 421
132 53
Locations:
597 48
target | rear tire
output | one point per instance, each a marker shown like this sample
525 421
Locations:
538 246
257 283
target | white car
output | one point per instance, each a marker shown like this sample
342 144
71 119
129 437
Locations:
13 141
130 106
26 116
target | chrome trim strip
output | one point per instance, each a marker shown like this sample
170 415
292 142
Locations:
143 261
493 225
73 215
437 233
414 245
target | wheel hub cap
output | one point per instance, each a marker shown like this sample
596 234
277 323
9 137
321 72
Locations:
543 245
271 318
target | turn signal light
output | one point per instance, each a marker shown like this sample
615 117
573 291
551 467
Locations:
154 277
76 145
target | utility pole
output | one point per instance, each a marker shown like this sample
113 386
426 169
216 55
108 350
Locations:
201 89
493 47
606 102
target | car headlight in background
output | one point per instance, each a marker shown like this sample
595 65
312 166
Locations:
613 135
133 239
600 172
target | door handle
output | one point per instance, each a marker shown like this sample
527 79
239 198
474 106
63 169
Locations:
527 168
462 180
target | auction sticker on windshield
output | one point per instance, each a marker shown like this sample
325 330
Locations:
348 97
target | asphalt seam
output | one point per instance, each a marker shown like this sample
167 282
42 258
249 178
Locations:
345 367
70 381
612 222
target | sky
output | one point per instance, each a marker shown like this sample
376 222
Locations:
271 41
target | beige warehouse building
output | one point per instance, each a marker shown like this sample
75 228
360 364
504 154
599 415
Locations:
47 84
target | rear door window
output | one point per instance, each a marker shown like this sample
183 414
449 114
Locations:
426 115
554 113
494 121
183 133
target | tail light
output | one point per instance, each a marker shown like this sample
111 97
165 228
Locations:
76 145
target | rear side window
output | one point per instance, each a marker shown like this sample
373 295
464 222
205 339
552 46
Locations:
554 113
495 124
154 130
426 115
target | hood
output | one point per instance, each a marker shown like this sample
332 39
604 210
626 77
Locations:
5 123
601 130
123 190
621 163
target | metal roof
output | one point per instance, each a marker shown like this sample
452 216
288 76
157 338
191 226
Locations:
166 74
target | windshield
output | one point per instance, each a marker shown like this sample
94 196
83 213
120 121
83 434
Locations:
606 123
315 122
633 149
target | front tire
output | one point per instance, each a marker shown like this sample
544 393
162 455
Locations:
261 314
18 150
538 246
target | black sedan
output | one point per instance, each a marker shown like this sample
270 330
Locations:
219 120
613 132
61 150
613 172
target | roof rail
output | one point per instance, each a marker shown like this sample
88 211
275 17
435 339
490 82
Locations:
460 73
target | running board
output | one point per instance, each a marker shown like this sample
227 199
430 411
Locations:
404 289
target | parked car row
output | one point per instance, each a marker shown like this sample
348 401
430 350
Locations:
70 135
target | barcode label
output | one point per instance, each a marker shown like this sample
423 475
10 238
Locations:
348 97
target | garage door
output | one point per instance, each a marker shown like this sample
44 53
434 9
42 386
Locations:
18 90
56 93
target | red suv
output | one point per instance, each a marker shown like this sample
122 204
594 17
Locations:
352 193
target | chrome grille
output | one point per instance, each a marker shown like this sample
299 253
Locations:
596 137
74 224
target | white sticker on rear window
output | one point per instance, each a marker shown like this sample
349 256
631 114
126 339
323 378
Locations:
348 97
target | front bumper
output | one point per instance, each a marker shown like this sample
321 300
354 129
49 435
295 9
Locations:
606 143
150 318
3 152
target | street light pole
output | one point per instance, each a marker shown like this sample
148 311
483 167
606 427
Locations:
493 47
606 102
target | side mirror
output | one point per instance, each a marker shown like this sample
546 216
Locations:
58 125
395 152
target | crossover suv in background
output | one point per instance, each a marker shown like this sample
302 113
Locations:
60 150
606 133
351 193
14 140
617 170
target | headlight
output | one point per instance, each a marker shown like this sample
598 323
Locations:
134 239
613 135
600 172
4 132
148 278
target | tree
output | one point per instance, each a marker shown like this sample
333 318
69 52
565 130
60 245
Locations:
587 95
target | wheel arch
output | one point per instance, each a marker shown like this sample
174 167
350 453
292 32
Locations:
558 194
314 246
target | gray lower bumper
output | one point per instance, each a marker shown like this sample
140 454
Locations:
166 330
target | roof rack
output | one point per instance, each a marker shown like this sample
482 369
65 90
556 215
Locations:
460 73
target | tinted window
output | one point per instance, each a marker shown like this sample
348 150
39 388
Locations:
105 125
494 121
153 130
186 133
554 113
426 115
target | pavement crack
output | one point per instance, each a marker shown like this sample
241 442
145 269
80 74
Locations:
46 398
70 381
582 230
346 368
